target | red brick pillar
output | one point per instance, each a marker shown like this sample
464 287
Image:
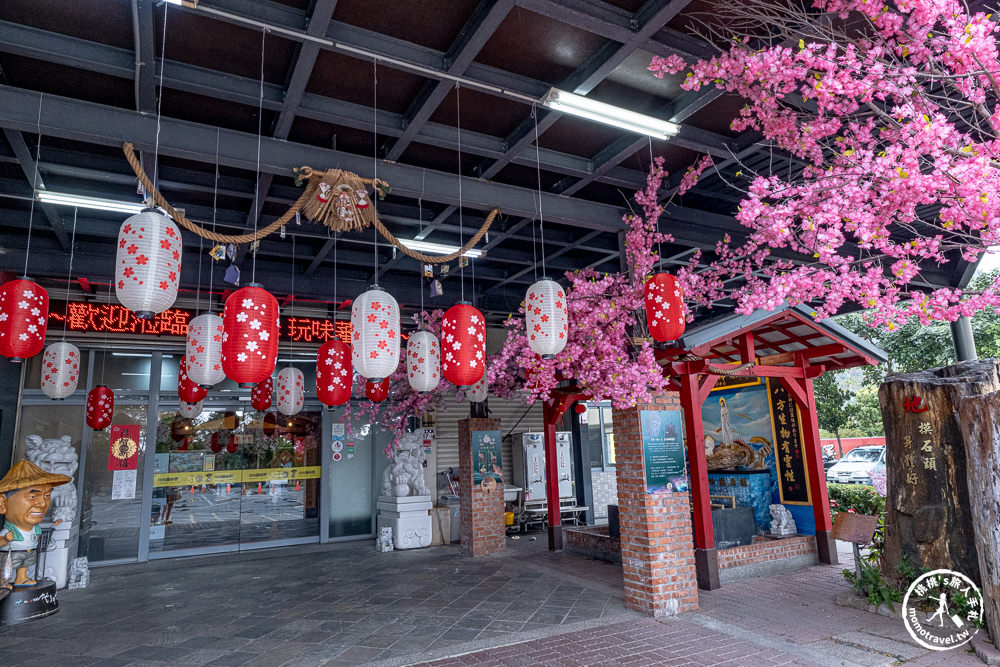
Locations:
656 536
483 532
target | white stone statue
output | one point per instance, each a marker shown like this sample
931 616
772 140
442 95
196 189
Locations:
404 476
79 573
782 522
384 542
56 455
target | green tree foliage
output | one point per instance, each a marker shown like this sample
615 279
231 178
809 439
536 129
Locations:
849 409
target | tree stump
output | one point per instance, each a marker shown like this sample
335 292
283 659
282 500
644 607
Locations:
928 513
980 419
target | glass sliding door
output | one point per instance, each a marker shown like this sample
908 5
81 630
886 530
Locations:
351 480
231 478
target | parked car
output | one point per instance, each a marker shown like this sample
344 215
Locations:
857 465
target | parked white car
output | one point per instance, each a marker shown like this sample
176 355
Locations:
857 466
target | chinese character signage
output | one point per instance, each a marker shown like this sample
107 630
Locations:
663 450
486 456
115 318
789 448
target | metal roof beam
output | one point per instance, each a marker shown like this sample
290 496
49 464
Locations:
486 18
27 164
91 56
101 124
145 58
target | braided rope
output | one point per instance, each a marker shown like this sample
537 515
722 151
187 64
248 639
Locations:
314 177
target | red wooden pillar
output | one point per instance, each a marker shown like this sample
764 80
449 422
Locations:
801 391
550 414
705 557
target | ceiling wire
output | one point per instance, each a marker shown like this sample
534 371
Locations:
69 274
260 130
461 231
541 218
159 100
31 212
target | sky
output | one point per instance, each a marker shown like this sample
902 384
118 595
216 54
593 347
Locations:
991 261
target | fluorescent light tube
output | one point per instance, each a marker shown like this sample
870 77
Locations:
438 248
64 199
584 107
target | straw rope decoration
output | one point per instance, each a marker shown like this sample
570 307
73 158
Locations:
342 208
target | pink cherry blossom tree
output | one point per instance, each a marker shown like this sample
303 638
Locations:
606 354
884 117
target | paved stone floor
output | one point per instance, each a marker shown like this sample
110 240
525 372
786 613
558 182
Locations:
345 604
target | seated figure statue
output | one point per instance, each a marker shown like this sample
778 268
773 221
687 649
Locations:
25 495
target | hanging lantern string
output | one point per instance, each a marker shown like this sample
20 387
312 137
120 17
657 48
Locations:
159 100
69 274
541 218
375 153
420 265
215 205
659 242
461 228
260 130
291 296
34 186
336 304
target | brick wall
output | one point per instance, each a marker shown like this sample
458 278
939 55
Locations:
605 489
765 549
483 532
594 542
656 533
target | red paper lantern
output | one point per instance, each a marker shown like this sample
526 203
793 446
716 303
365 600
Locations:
188 390
463 345
270 424
664 307
377 391
334 373
261 395
580 408
24 317
100 407
250 335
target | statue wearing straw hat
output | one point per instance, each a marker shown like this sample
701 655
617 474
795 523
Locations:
25 494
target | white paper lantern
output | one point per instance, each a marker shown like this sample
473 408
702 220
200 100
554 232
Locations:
148 263
479 390
189 410
60 370
291 391
375 344
204 350
423 361
546 318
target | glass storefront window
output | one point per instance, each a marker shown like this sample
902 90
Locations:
110 527
601 435
231 477
122 370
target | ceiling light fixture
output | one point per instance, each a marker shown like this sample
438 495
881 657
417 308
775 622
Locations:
438 248
609 114
65 199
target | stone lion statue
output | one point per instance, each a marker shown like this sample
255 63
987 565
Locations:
404 476
782 522
56 455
